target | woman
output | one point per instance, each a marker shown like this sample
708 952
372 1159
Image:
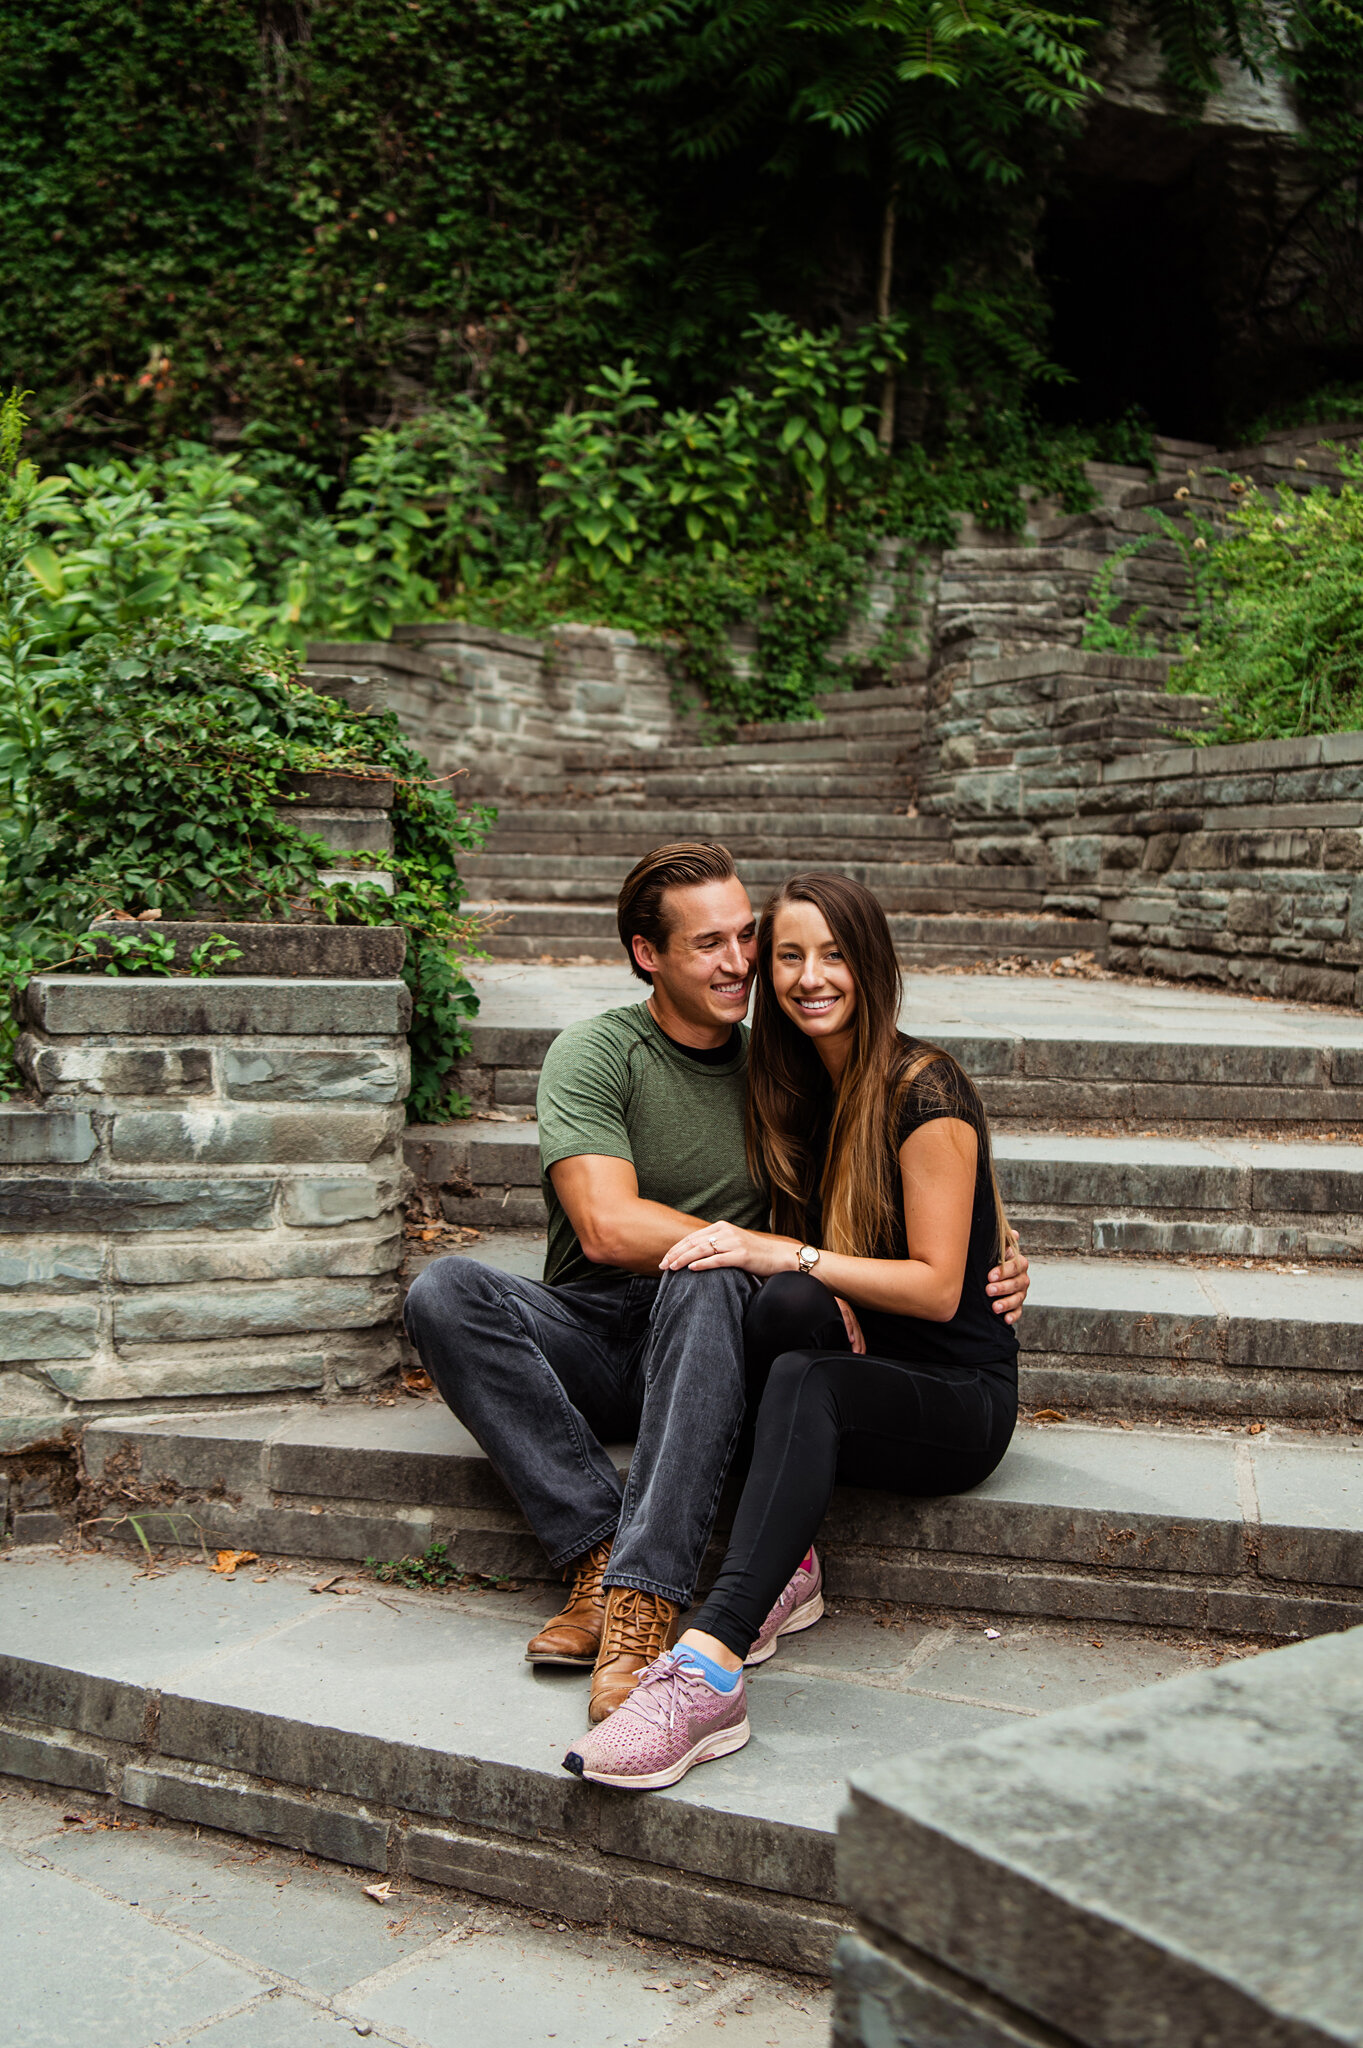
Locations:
884 1364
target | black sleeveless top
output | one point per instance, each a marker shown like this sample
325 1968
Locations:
974 1336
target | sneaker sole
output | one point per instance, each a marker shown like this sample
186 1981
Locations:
803 1617
706 1751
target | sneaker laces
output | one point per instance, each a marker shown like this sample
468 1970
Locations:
667 1683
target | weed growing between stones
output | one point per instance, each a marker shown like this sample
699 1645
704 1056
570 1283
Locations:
434 1570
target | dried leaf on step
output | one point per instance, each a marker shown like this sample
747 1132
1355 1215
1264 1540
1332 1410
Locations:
1050 1415
228 1560
380 1893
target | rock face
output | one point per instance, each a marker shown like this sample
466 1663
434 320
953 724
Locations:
204 1200
1179 1865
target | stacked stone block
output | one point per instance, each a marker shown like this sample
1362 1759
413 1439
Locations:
201 1199
1172 1866
1013 741
503 705
1239 864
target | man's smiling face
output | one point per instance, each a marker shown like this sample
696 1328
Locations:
703 978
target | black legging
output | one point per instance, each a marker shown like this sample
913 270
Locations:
828 1415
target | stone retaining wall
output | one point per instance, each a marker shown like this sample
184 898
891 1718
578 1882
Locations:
1239 864
506 706
1013 741
202 1197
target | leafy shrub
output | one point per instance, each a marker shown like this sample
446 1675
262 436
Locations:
155 787
133 540
1280 635
761 510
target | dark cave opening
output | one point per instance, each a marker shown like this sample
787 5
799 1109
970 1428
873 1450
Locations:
1126 266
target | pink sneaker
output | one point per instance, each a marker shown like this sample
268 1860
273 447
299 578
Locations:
799 1607
671 1720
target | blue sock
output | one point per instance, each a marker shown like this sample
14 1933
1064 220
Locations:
714 1674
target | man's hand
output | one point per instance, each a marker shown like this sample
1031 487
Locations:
1008 1284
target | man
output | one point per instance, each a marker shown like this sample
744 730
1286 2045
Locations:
641 1139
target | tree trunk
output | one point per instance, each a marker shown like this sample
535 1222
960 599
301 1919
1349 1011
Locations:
885 430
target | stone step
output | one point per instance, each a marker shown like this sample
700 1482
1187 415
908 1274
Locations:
747 838
770 788
757 790
402 1733
1152 1525
531 931
1170 1867
1213 1197
920 884
820 747
1159 1342
1042 1049
283 949
800 837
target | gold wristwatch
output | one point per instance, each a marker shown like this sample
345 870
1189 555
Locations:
808 1257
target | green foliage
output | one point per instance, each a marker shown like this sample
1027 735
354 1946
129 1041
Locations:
30 675
418 512
679 525
797 594
156 790
1104 633
308 214
432 1569
788 449
131 541
1280 638
935 88
311 221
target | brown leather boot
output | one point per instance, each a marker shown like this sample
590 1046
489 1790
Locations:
638 1628
574 1636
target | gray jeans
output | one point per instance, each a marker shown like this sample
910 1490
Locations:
544 1377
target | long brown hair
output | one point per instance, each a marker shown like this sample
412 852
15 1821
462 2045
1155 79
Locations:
860 1188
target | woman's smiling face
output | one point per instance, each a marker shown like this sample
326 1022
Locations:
810 979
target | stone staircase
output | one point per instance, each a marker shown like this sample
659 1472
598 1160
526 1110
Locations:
1185 1489
1186 1485
871 786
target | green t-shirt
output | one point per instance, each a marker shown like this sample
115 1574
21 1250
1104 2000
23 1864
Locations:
617 1086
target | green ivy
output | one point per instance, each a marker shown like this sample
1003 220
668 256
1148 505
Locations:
160 786
221 211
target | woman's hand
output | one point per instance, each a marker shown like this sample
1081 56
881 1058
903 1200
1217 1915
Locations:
724 1244
851 1325
1008 1284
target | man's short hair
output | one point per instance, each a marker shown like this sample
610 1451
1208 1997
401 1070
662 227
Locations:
680 865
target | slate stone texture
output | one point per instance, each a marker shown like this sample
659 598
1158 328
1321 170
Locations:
201 1196
1178 1865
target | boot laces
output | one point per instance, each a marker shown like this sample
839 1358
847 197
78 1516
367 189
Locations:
634 1622
589 1571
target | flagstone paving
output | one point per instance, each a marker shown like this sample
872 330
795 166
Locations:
184 1935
